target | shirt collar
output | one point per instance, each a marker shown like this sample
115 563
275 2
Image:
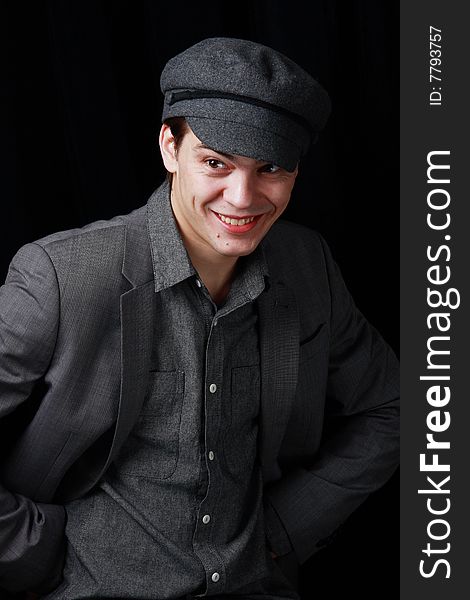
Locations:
171 262
250 275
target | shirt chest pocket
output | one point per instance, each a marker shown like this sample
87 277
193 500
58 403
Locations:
152 448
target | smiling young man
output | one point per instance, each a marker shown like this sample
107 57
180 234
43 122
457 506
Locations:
224 205
197 403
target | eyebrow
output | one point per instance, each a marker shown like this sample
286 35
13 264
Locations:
202 146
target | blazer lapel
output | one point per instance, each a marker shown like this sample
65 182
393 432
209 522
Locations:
137 312
279 348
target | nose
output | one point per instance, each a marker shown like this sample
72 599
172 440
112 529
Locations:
241 191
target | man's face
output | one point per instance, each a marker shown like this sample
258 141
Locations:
224 204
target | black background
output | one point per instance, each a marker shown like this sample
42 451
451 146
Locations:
79 118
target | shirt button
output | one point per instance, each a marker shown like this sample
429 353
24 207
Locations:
212 388
198 283
206 519
215 577
211 455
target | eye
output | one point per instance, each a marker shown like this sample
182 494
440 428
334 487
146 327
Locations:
215 164
270 168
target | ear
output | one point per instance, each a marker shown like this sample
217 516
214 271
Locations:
167 148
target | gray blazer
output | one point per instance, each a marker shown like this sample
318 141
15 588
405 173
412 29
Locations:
76 323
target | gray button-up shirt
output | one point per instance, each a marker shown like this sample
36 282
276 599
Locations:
180 510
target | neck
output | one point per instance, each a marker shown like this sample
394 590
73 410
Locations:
217 272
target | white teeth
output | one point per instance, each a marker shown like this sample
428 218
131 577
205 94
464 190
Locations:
235 221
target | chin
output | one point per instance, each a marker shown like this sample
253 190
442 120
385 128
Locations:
234 252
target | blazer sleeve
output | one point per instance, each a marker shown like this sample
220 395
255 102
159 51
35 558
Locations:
32 542
360 447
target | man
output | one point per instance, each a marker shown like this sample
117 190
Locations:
195 398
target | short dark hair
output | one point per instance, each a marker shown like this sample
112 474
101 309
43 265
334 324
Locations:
179 128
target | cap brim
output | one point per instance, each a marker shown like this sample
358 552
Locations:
228 137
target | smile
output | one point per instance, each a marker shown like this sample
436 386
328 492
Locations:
232 221
237 225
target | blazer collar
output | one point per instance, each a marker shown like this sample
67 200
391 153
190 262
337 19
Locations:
279 354
137 259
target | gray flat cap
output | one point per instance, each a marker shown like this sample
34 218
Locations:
240 97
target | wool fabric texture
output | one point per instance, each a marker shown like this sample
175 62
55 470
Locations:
240 97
